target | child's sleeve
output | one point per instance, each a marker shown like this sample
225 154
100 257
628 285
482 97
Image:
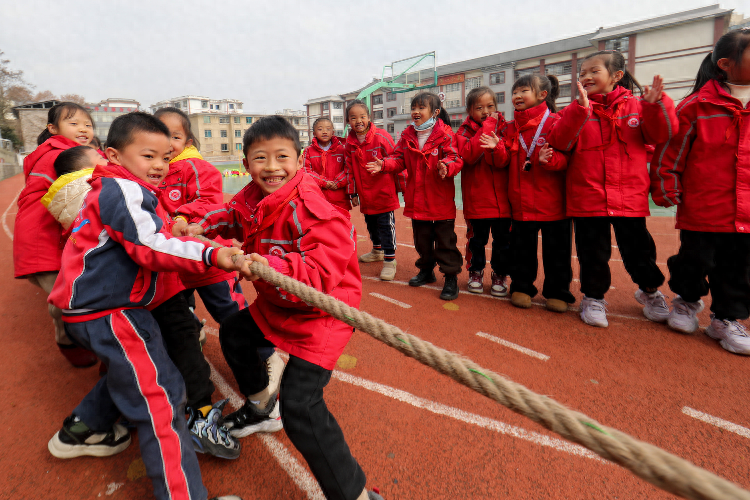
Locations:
669 161
659 120
564 134
203 185
216 220
451 158
319 179
470 148
559 161
394 162
351 186
342 178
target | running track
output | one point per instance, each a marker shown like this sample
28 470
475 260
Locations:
417 434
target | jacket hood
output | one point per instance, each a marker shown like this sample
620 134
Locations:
119 172
54 142
524 116
335 141
618 94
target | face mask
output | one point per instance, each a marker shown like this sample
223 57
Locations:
429 123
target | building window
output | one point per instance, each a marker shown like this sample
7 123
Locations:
377 115
391 128
390 96
377 99
223 119
207 134
391 112
472 83
231 106
303 121
206 119
238 133
453 103
527 71
325 106
248 119
177 105
453 87
223 133
238 146
497 78
500 96
338 119
184 104
565 90
236 119
204 104
338 105
455 124
620 44
224 148
562 68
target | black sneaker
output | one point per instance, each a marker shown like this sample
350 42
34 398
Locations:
450 288
209 436
425 276
249 419
75 439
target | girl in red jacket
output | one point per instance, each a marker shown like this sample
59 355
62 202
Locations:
375 194
705 171
536 191
607 180
324 161
485 193
428 152
37 239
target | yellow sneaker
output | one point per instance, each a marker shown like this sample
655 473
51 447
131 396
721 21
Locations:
389 270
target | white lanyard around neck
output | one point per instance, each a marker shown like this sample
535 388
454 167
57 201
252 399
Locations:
529 152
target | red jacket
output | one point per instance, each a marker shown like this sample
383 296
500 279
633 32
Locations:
193 182
484 188
427 196
537 194
312 242
705 168
377 193
325 166
37 238
607 173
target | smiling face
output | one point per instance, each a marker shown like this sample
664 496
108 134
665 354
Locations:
483 107
146 157
78 128
596 78
323 132
525 97
421 112
177 136
358 119
272 163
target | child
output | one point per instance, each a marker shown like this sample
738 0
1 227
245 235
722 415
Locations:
376 194
703 170
119 233
484 190
428 152
37 240
537 194
285 222
607 179
324 161
192 181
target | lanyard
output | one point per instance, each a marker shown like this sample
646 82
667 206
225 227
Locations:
529 152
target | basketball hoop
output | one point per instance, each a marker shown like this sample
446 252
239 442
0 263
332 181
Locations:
441 95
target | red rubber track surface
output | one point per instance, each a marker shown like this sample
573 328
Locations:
636 376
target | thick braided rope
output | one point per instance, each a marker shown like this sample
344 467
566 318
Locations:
658 467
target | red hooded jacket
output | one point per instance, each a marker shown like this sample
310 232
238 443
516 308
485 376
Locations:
377 193
537 194
427 196
326 166
312 242
705 168
484 188
607 173
37 238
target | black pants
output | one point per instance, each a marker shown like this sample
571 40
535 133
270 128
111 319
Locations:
477 236
594 248
307 422
435 241
180 335
557 243
382 229
722 257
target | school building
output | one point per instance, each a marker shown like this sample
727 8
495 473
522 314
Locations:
220 135
672 46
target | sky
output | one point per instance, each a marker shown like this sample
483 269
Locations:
277 54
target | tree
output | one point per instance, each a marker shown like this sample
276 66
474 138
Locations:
19 95
44 95
78 99
11 82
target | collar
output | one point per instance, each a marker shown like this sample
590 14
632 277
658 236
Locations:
334 143
113 171
618 93
187 153
256 200
530 117
352 138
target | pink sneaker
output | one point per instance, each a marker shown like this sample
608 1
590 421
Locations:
475 281
498 286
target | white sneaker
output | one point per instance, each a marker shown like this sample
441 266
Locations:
655 305
389 270
373 255
683 317
731 334
594 312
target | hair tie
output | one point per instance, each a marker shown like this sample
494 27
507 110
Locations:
713 56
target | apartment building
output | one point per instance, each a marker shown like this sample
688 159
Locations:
104 112
220 135
191 104
298 119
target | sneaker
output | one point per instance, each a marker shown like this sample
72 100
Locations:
75 439
389 270
250 419
375 255
521 300
275 367
424 277
498 286
732 335
683 316
594 312
450 288
556 305
209 436
655 305
475 281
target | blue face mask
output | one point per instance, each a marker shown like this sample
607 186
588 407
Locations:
429 123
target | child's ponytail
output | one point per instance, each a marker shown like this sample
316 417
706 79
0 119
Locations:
730 46
552 93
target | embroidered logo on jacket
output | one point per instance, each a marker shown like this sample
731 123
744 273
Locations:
540 141
434 152
174 194
277 251
634 122
339 159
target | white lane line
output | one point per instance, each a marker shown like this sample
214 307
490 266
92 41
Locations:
392 301
718 422
5 216
301 477
517 347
